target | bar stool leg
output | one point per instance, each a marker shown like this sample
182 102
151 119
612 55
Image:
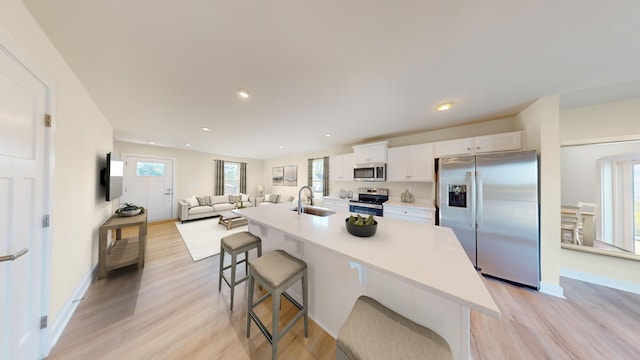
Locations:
233 278
305 304
221 266
275 333
249 304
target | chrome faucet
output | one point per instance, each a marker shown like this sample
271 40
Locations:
300 199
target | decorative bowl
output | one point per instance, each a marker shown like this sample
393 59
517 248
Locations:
361 230
129 212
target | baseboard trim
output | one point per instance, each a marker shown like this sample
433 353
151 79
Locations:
61 321
601 280
553 290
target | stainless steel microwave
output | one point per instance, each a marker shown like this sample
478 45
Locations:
370 172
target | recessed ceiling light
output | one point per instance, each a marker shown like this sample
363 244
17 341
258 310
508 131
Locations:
444 106
150 142
250 154
204 128
328 135
187 145
280 147
243 94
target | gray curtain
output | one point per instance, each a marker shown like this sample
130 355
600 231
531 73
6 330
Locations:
218 188
325 174
325 177
243 178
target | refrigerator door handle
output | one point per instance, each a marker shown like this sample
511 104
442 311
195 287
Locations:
471 197
479 199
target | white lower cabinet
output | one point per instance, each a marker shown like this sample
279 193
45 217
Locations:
336 204
409 213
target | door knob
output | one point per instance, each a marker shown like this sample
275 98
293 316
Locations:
14 256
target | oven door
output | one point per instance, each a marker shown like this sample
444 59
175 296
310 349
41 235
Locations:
365 209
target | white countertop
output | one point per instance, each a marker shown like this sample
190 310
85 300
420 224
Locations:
424 255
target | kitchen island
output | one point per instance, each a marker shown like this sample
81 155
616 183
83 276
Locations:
420 271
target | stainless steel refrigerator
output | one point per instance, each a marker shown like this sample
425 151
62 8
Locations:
491 203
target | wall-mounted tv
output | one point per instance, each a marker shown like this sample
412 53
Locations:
111 177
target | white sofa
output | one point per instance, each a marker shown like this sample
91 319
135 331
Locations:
268 199
198 207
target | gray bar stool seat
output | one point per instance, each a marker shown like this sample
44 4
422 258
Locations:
234 245
373 331
276 271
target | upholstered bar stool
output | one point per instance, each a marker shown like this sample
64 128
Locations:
234 245
276 271
373 331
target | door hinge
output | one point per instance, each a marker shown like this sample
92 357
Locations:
47 120
43 322
45 221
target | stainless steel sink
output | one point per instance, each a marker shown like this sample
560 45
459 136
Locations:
315 210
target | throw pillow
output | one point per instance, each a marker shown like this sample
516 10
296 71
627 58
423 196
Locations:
274 198
267 197
203 200
245 197
192 201
219 199
234 199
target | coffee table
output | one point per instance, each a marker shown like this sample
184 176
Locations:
231 219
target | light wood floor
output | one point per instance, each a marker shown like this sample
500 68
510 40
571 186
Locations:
173 310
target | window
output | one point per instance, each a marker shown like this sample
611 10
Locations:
621 201
231 178
317 177
149 169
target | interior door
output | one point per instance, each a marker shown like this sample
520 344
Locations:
23 102
149 183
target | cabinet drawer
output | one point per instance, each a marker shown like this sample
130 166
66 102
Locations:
408 213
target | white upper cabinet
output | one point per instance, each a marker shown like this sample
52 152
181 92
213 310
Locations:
499 142
341 167
370 153
511 141
413 163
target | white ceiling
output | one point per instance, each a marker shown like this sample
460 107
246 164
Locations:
358 69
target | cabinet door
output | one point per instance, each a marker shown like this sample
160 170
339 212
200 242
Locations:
378 153
454 147
398 163
335 168
341 167
347 167
420 163
370 153
499 142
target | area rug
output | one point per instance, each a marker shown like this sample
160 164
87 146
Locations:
202 237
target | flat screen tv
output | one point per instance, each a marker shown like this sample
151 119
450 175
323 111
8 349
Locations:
111 177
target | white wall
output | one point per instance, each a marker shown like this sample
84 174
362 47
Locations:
82 138
603 122
194 170
541 121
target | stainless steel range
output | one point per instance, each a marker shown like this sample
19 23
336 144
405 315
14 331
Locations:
369 201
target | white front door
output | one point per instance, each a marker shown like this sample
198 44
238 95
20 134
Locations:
23 102
149 183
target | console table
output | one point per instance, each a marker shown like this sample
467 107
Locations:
124 252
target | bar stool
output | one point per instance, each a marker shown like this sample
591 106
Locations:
373 331
234 245
276 271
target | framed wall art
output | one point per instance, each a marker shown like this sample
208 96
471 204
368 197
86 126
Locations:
277 175
291 175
